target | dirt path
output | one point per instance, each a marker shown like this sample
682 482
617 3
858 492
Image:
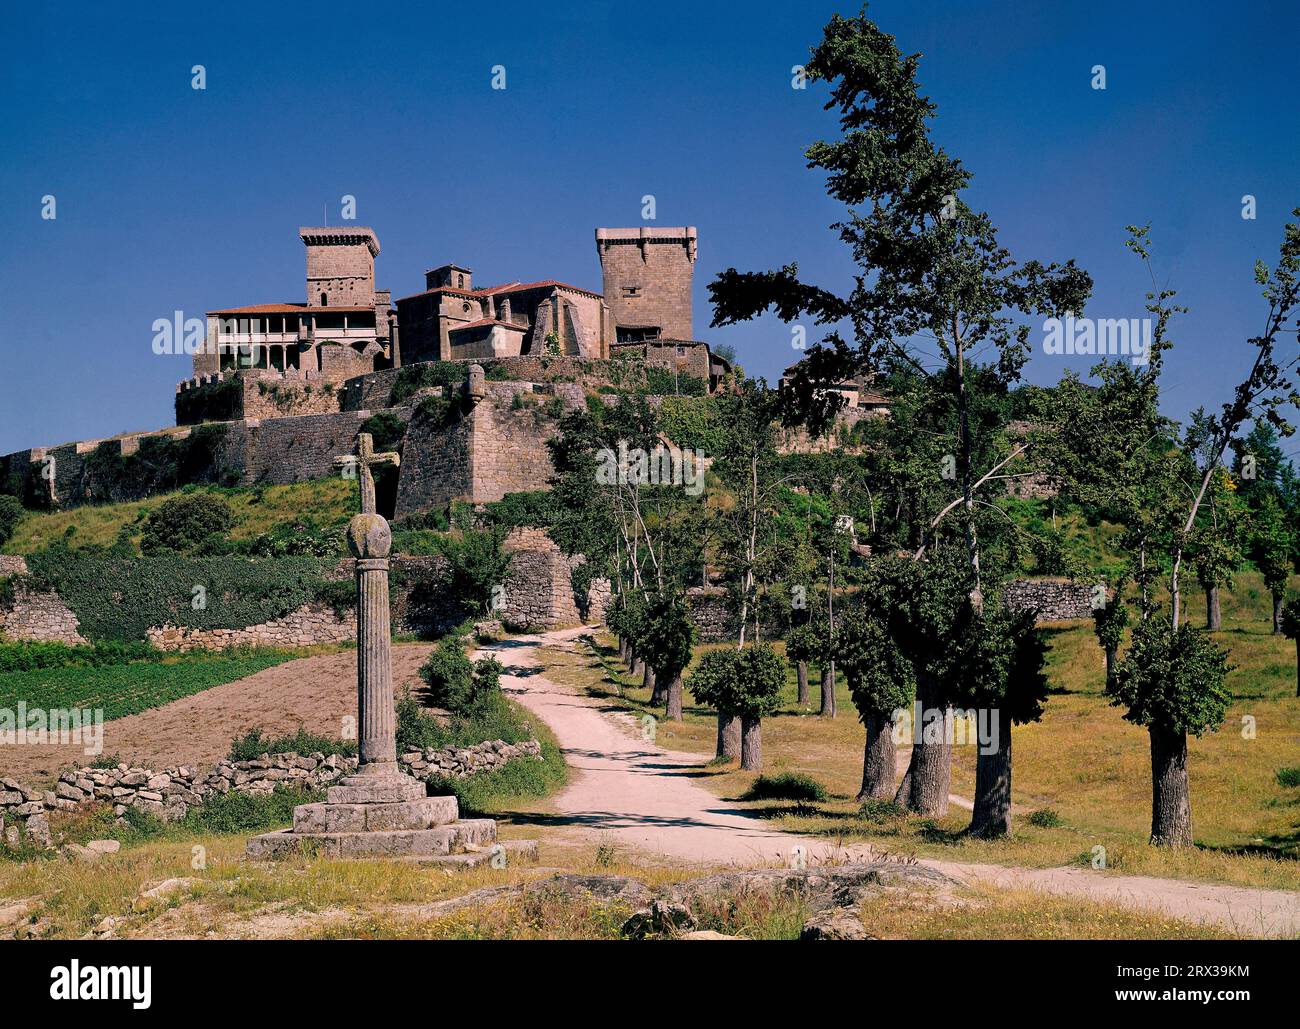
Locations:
633 794
314 692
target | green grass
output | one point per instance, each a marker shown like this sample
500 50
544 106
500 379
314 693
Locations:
128 689
327 502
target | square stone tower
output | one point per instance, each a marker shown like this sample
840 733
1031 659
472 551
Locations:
647 274
340 265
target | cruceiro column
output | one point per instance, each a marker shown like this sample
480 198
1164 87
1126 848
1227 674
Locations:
370 541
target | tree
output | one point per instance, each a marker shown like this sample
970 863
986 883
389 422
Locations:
881 680
933 288
1291 629
760 674
1110 619
1273 551
1172 682
668 637
997 666
714 684
803 644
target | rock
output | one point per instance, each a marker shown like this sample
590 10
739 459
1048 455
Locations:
11 914
707 934
163 891
76 852
10 798
37 830
835 924
105 846
158 782
135 778
660 917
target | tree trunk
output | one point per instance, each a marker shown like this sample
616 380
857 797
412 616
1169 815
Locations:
992 814
624 651
1213 617
728 737
802 669
1171 803
751 743
828 690
1297 666
673 707
925 785
878 758
1278 600
650 681
1110 663
636 665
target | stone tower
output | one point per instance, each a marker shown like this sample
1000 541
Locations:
647 274
340 265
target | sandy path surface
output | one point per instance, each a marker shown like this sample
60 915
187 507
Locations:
314 692
631 793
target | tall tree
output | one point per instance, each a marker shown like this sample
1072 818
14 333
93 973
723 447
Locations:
934 289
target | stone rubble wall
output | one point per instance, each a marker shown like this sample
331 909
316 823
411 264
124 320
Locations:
1053 600
308 625
169 794
38 615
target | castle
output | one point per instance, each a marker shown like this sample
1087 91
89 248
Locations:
280 390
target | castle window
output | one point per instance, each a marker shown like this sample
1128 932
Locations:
631 291
324 300
460 282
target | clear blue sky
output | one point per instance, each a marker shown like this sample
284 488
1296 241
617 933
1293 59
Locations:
170 198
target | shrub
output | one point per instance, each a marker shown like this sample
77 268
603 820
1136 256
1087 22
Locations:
786 786
1288 776
423 375
253 745
236 812
1045 818
11 511
457 684
388 430
182 524
30 655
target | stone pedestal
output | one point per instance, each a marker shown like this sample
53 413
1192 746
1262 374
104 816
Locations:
380 812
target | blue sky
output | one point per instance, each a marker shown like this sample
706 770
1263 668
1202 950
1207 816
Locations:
171 198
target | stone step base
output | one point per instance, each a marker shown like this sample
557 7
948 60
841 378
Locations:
456 838
357 789
425 813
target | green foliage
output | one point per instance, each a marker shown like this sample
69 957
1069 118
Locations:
667 636
997 662
425 374
807 642
786 786
458 685
388 430
161 464
1110 620
693 423
1291 619
1288 777
118 597
1045 818
303 743
535 508
744 682
239 812
660 382
184 523
30 655
11 511
127 689
881 678
1172 679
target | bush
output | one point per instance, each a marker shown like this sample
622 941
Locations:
1288 776
387 429
786 786
185 523
425 374
455 683
253 745
236 812
1046 818
11 511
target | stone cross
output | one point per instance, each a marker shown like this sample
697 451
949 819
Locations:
364 459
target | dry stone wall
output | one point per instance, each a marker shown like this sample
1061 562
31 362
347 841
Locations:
1052 600
170 793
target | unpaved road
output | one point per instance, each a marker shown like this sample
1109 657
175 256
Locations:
632 794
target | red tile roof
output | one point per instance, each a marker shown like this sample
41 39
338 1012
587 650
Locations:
509 287
285 309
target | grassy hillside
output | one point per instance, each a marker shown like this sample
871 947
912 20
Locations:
328 503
